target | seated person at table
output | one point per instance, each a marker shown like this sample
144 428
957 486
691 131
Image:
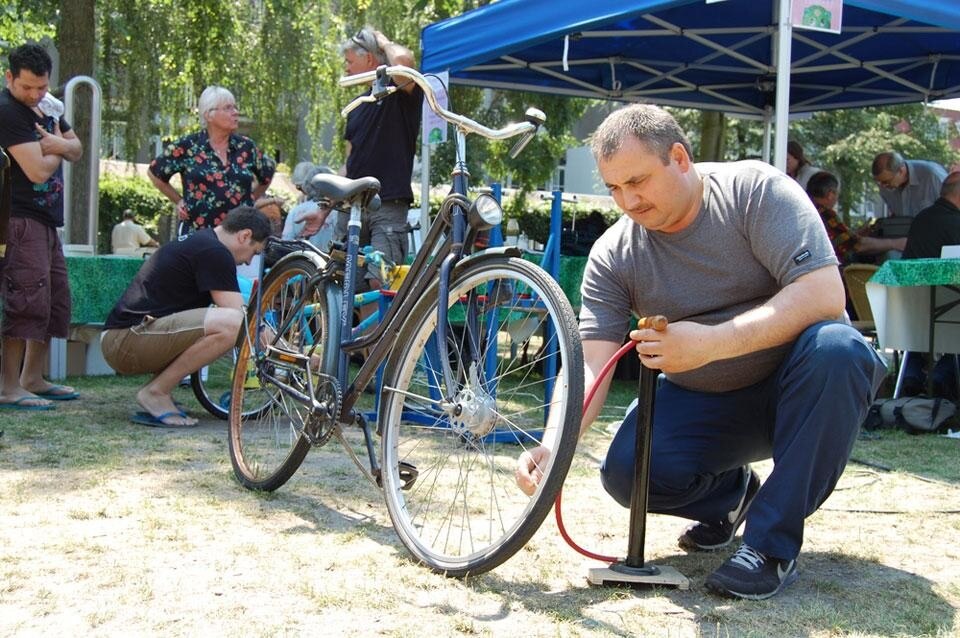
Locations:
757 364
164 323
934 227
823 188
129 237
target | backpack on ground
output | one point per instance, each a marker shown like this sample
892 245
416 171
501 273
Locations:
916 415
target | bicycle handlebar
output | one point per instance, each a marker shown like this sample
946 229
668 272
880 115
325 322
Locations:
534 117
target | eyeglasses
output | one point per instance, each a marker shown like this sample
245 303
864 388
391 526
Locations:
229 108
886 182
361 39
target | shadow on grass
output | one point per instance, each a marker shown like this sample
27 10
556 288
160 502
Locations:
836 594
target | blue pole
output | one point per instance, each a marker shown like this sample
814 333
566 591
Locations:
496 233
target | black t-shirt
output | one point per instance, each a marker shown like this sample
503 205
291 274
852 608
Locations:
42 202
933 228
177 277
383 141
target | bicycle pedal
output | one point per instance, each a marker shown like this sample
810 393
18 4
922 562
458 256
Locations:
287 357
408 475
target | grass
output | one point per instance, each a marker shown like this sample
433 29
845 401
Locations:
110 528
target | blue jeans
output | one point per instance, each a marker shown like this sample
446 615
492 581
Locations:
806 416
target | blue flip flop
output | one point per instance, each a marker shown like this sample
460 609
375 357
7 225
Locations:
56 393
19 405
145 418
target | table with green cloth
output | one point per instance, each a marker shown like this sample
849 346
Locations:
915 304
96 284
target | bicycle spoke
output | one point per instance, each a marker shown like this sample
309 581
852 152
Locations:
465 514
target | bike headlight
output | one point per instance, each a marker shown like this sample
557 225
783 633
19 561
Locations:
485 212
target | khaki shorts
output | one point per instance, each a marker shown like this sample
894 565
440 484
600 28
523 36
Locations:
154 344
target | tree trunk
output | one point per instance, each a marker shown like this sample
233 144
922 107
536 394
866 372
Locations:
76 43
713 127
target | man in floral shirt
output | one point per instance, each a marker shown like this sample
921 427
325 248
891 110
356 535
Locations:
219 169
824 189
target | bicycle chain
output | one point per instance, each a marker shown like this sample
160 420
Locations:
320 427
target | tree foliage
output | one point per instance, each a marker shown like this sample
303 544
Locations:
845 142
281 60
841 141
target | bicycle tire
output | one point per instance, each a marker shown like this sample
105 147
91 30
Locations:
464 514
267 448
212 385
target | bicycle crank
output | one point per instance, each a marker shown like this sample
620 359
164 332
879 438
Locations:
322 421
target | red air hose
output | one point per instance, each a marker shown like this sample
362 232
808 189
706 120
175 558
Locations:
604 371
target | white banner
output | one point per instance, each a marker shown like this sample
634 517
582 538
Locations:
817 15
435 128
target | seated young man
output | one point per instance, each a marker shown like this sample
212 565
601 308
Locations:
164 323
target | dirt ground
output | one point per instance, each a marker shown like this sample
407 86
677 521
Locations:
111 529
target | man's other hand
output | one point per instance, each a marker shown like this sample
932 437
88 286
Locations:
529 468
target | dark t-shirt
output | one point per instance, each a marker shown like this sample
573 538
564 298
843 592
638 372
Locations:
383 141
933 228
42 202
178 277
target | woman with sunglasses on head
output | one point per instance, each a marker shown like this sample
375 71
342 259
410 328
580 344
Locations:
219 169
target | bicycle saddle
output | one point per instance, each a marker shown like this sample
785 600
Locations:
362 190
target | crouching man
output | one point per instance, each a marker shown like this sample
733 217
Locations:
757 365
164 323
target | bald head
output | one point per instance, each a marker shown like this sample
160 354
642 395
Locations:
950 190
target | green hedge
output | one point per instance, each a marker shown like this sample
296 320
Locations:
136 193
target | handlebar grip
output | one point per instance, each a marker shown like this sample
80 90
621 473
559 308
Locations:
657 322
521 144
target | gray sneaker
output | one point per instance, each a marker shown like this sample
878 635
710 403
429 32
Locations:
700 537
753 575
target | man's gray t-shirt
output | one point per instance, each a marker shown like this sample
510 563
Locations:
921 190
756 232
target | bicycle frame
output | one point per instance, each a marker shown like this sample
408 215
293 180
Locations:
444 246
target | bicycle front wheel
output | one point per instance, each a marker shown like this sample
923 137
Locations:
450 440
268 444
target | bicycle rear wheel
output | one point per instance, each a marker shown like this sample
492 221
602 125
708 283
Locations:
213 384
462 513
267 445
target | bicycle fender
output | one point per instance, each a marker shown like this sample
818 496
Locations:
488 253
318 260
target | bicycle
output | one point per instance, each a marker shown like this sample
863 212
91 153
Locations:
454 407
212 384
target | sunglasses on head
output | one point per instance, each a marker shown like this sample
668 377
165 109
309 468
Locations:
362 41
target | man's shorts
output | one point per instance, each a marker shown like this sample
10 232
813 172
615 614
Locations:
152 345
34 287
385 229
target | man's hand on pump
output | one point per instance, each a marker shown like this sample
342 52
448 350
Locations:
685 346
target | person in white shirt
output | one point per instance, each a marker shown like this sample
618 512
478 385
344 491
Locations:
129 237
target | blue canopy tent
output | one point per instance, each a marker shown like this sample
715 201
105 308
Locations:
724 55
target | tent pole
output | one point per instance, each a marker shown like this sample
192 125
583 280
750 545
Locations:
767 132
784 36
